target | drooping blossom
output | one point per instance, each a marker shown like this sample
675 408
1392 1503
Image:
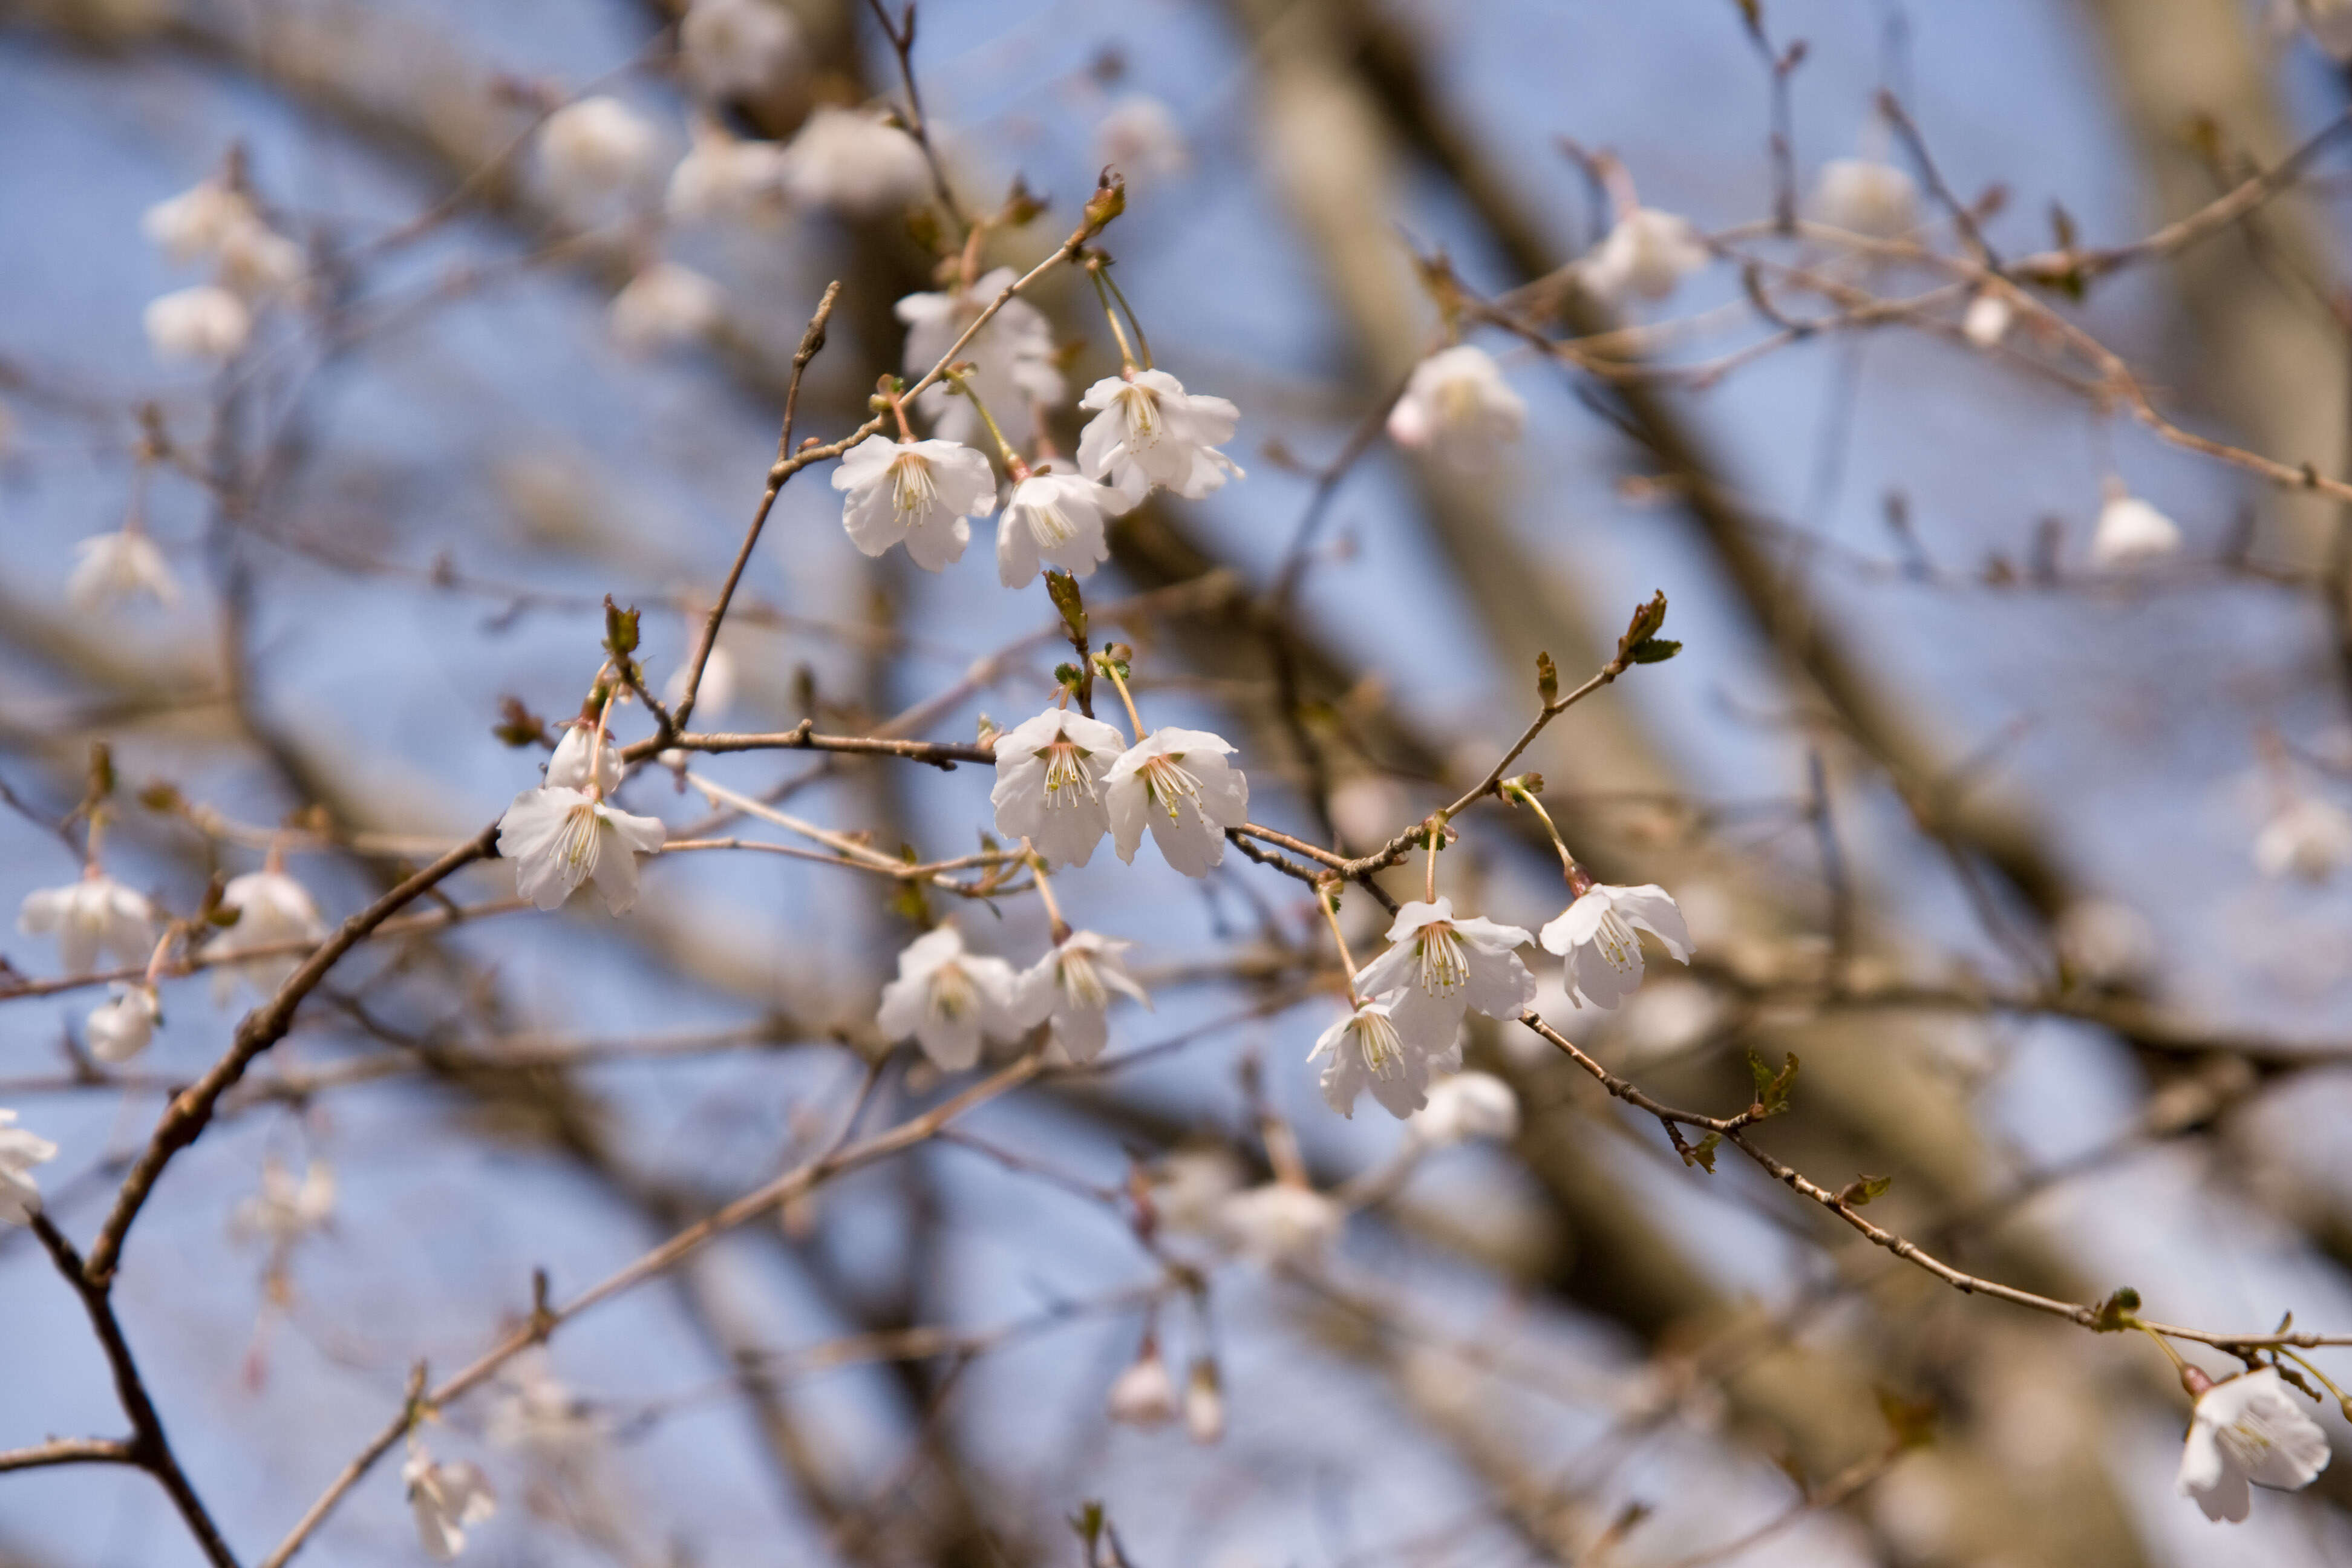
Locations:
731 46
853 162
272 909
1055 520
1465 1106
946 1000
1596 935
1457 408
122 1026
1144 1395
1141 137
260 264
724 177
2248 1431
447 1500
1645 255
205 324
2131 531
95 914
20 1196
1280 1222
194 225
1867 196
1071 988
1988 319
1150 431
560 838
1365 1049
567 767
112 567
916 493
1204 1402
537 1415
2308 838
285 1210
1438 966
598 147
663 306
1011 358
1178 783
1050 774
1190 1188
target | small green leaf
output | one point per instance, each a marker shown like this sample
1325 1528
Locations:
1703 1154
2116 1311
1911 1421
1862 1189
1654 650
620 629
1063 589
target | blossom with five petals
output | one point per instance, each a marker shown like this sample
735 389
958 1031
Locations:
560 837
272 909
916 493
1365 1049
1150 431
1049 784
946 999
447 1500
1457 407
1178 783
1071 987
1437 967
94 914
1055 520
1596 935
2248 1431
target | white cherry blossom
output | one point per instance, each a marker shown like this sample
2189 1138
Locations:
1465 1106
1866 197
1645 256
286 1210
946 1000
724 177
598 147
203 323
2248 1431
2309 838
717 692
1142 139
20 1196
2131 531
853 162
568 768
664 305
122 1026
1365 1049
1438 966
1055 520
1178 783
916 493
1150 431
194 225
560 838
731 46
272 909
1050 774
1596 935
111 567
1190 1187
1011 358
536 1413
1071 987
2104 941
94 914
1144 1395
261 264
447 1500
1457 408
1280 1222
1988 319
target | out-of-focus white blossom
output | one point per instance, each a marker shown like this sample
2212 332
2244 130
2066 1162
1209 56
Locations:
96 913
2248 1432
1367 1049
1596 935
2102 942
536 1415
596 148
1988 319
1438 966
1178 783
1866 197
1645 255
111 567
1141 138
1664 1019
1144 1395
1055 520
1458 409
1071 987
1465 1106
946 1000
1204 1404
194 225
20 1196
2131 531
447 1500
1011 358
725 178
717 692
122 1026
203 323
286 1210
272 909
664 305
853 162
1280 1222
1190 1188
1150 431
916 493
1050 774
560 838
2309 838
731 46
261 264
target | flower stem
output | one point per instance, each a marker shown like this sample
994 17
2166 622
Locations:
1060 928
1437 834
2165 1345
1326 898
1143 344
961 376
2327 1382
1110 314
1105 663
